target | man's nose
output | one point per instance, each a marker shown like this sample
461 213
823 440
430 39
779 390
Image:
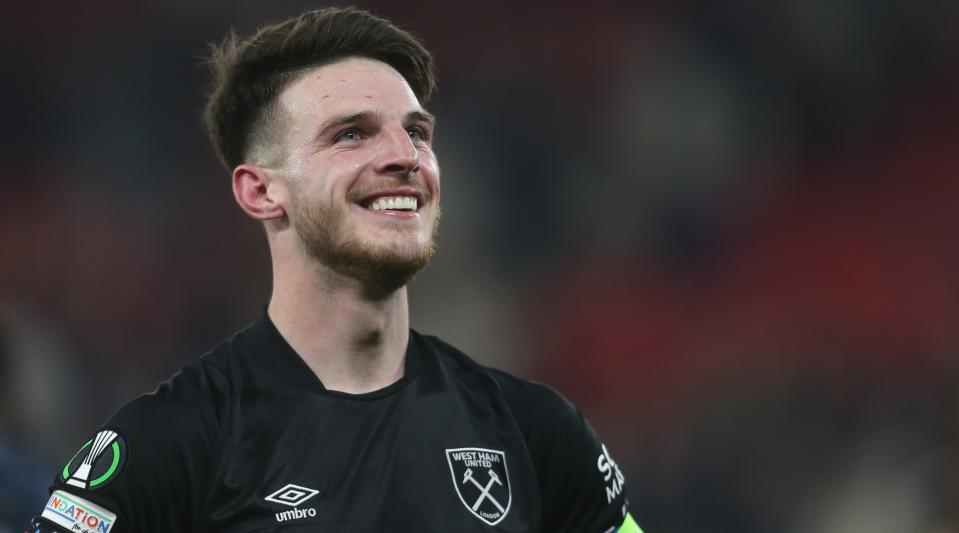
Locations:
397 154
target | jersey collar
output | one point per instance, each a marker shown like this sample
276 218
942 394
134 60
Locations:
272 355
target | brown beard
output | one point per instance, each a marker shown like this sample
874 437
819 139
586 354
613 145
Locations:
320 228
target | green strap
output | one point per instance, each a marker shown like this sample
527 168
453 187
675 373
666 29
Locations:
629 525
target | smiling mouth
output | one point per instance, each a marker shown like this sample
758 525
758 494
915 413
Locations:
393 203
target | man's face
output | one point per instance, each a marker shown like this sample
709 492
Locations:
363 180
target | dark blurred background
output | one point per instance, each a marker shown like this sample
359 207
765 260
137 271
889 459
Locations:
724 229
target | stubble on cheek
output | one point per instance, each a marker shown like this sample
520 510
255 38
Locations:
327 237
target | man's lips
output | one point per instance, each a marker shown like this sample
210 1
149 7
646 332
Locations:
409 199
391 213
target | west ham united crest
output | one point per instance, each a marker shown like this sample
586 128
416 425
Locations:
482 482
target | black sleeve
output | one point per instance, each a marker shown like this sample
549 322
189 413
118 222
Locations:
582 489
144 471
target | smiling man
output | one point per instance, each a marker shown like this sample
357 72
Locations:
328 413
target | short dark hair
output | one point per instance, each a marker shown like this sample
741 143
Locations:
249 75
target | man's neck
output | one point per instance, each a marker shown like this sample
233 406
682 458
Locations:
352 341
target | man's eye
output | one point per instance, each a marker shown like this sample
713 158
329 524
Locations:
349 135
417 133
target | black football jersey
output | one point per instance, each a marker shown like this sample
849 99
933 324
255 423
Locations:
247 439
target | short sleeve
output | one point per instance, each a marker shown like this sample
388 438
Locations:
582 487
144 471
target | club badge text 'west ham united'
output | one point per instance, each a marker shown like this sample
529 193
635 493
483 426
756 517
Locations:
482 482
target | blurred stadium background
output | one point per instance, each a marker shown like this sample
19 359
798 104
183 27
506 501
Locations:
725 229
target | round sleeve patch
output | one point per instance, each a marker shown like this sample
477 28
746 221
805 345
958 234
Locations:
97 463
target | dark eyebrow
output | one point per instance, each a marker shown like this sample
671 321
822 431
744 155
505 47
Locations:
366 116
342 120
422 116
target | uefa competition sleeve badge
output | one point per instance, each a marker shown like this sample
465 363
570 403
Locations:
481 481
97 462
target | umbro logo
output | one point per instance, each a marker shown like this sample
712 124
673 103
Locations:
294 496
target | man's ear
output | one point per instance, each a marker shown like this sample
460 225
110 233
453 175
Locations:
258 193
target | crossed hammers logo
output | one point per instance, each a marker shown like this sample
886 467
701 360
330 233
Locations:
484 491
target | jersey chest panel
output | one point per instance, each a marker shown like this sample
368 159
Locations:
426 458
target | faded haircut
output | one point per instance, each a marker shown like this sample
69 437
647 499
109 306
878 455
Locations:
241 114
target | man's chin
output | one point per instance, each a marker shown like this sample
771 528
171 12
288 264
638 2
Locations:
381 260
380 271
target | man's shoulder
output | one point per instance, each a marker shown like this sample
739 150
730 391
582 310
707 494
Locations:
531 402
581 486
193 401
157 452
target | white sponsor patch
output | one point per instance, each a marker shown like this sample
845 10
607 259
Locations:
76 514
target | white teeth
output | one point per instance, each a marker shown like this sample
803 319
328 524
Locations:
399 203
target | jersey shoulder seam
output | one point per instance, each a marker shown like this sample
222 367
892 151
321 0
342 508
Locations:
519 392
